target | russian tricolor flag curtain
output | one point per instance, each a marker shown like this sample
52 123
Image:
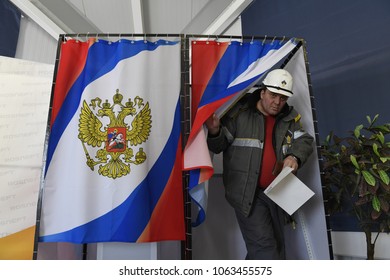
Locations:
221 73
114 158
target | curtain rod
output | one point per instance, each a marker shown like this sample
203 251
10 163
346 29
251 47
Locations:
119 35
132 35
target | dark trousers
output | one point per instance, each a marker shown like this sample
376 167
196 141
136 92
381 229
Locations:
263 230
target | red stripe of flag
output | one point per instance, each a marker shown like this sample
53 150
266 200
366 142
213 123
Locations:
73 57
206 58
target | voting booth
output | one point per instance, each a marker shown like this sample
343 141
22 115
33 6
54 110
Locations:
157 234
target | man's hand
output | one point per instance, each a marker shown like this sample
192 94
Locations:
292 162
213 124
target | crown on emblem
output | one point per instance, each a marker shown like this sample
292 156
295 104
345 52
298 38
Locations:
106 105
117 97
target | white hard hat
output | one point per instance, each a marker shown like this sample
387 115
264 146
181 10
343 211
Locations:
279 81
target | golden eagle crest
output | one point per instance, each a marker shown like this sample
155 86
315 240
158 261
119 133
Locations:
116 136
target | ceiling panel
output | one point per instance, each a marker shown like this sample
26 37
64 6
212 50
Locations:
169 16
64 12
117 16
113 16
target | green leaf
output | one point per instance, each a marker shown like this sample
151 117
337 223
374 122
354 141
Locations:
369 178
354 162
375 118
356 132
327 140
384 159
384 177
381 137
375 148
369 119
383 128
357 172
376 204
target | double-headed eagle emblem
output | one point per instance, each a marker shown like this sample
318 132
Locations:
116 137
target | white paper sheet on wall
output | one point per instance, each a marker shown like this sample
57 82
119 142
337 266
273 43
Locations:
288 191
25 88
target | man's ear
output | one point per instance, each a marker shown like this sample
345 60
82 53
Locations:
262 92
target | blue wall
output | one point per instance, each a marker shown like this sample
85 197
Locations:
9 28
348 44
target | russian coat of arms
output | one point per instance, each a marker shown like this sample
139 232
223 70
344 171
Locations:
114 139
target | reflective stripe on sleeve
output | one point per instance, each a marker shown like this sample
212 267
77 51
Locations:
246 142
298 134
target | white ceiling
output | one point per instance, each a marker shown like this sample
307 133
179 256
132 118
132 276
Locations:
133 16
44 21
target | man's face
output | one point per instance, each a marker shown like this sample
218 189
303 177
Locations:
272 103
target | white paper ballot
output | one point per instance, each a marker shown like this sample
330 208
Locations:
288 191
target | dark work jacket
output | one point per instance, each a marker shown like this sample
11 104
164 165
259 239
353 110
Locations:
241 140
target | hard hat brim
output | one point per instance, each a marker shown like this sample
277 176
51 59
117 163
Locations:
280 90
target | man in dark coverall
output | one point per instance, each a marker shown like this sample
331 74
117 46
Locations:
259 133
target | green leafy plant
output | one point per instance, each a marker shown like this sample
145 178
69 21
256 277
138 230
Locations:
356 173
